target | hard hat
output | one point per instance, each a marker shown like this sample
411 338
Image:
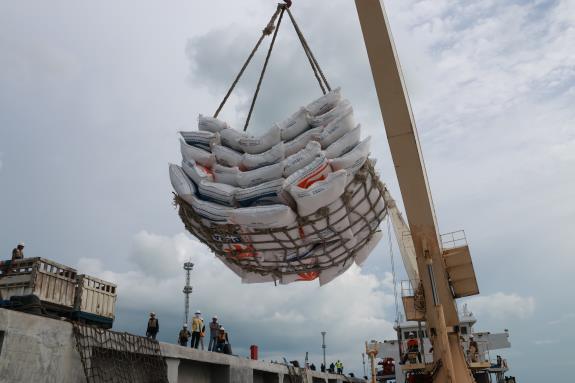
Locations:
215 317
185 325
152 313
198 312
471 336
412 334
21 244
222 328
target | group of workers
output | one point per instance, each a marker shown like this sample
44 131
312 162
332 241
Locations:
333 368
413 350
219 338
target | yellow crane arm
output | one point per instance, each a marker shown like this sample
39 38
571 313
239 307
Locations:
440 309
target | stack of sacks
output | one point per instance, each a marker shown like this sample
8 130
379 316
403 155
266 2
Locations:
297 203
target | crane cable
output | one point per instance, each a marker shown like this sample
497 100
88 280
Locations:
393 270
271 27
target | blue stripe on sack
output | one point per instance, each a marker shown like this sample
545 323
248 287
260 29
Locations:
271 198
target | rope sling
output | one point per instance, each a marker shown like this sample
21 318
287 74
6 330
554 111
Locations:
362 204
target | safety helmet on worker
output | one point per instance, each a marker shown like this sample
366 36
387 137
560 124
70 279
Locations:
20 244
412 335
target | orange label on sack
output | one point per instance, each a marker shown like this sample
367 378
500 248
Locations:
309 276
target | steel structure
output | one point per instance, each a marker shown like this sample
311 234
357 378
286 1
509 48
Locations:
443 275
188 266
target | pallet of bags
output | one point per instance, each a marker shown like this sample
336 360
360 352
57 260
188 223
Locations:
298 203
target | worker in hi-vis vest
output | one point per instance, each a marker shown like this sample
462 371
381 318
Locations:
197 326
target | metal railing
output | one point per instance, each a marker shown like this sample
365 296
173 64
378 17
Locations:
453 239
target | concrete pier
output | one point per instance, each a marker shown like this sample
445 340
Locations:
38 349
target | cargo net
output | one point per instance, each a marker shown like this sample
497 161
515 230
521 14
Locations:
320 245
114 357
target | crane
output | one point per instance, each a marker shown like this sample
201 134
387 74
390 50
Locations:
442 274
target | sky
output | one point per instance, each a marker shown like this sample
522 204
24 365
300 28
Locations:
92 95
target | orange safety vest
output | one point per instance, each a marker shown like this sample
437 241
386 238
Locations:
222 336
412 344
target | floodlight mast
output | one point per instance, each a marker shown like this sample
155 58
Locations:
440 312
188 266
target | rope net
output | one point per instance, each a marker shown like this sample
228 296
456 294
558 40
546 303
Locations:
114 357
323 244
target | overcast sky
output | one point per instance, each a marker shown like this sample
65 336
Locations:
92 95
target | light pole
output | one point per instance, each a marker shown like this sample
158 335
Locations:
363 361
323 346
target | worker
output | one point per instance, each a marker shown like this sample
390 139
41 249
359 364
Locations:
412 347
197 325
18 252
473 349
322 367
312 367
223 341
202 335
184 335
214 328
153 326
339 366
332 368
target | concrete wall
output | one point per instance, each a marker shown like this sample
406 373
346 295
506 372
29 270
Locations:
38 349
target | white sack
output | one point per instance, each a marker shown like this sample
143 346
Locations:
202 140
337 129
231 138
363 252
226 175
325 118
353 160
263 217
344 144
211 124
226 156
302 158
325 103
217 193
300 142
256 145
182 185
267 193
197 173
317 170
270 157
212 212
200 156
328 228
259 176
320 194
294 125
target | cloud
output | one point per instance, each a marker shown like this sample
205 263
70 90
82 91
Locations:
502 306
282 320
545 342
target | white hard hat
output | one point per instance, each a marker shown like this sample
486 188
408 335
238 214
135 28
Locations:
471 336
215 317
222 328
21 244
185 325
152 313
412 334
198 312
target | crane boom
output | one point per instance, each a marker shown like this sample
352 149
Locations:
404 242
440 310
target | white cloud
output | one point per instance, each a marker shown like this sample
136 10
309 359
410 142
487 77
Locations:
283 320
502 306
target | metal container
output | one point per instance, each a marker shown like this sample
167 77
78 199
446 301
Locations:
53 283
95 299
